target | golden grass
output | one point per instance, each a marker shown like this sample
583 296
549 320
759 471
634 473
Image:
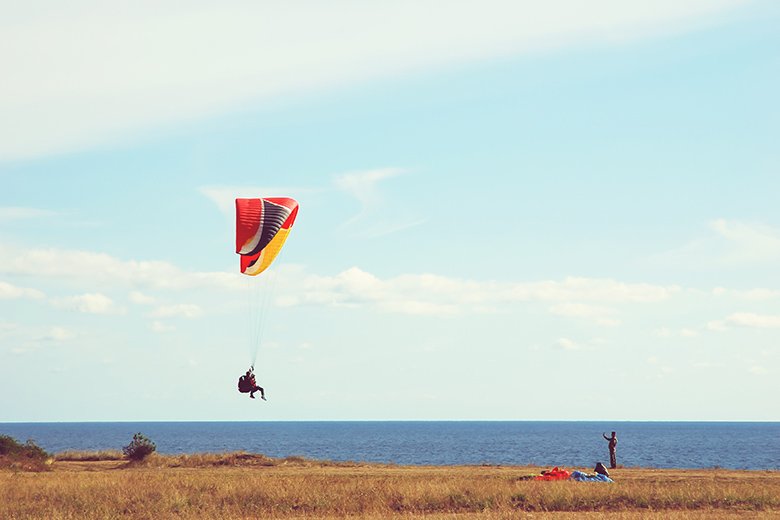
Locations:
25 464
73 455
243 486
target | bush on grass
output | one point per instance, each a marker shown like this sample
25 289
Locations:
139 448
28 456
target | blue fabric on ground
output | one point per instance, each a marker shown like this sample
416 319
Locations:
579 476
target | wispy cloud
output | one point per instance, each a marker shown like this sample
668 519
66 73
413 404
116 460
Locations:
687 332
432 294
90 303
12 292
61 91
600 300
182 310
756 294
599 314
363 185
58 334
9 213
106 269
717 326
749 242
760 294
377 216
140 298
749 319
730 243
603 290
568 344
162 327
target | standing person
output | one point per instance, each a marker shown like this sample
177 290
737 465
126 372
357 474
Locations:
612 449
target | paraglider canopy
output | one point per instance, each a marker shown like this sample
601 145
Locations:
262 226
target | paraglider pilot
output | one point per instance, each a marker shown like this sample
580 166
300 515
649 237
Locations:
247 384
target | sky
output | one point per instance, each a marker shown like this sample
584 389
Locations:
509 210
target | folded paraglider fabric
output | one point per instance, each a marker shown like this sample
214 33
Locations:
579 476
554 474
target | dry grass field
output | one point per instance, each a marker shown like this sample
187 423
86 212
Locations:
245 486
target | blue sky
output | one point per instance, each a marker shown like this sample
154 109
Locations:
508 210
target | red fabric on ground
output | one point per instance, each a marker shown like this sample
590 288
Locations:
554 474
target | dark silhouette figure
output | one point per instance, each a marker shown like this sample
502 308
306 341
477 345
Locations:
612 449
247 384
600 469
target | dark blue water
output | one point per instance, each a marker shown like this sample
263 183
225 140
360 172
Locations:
573 444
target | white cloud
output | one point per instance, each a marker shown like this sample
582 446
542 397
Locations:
666 332
59 334
717 326
374 219
161 327
419 308
140 298
408 293
747 319
731 243
599 314
567 344
19 213
12 292
90 303
182 310
759 294
106 269
82 73
433 294
363 185
592 290
750 242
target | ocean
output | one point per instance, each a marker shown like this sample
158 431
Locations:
734 445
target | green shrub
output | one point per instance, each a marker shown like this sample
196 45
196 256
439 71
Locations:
27 456
139 448
13 448
8 445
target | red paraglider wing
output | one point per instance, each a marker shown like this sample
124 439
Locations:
262 226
